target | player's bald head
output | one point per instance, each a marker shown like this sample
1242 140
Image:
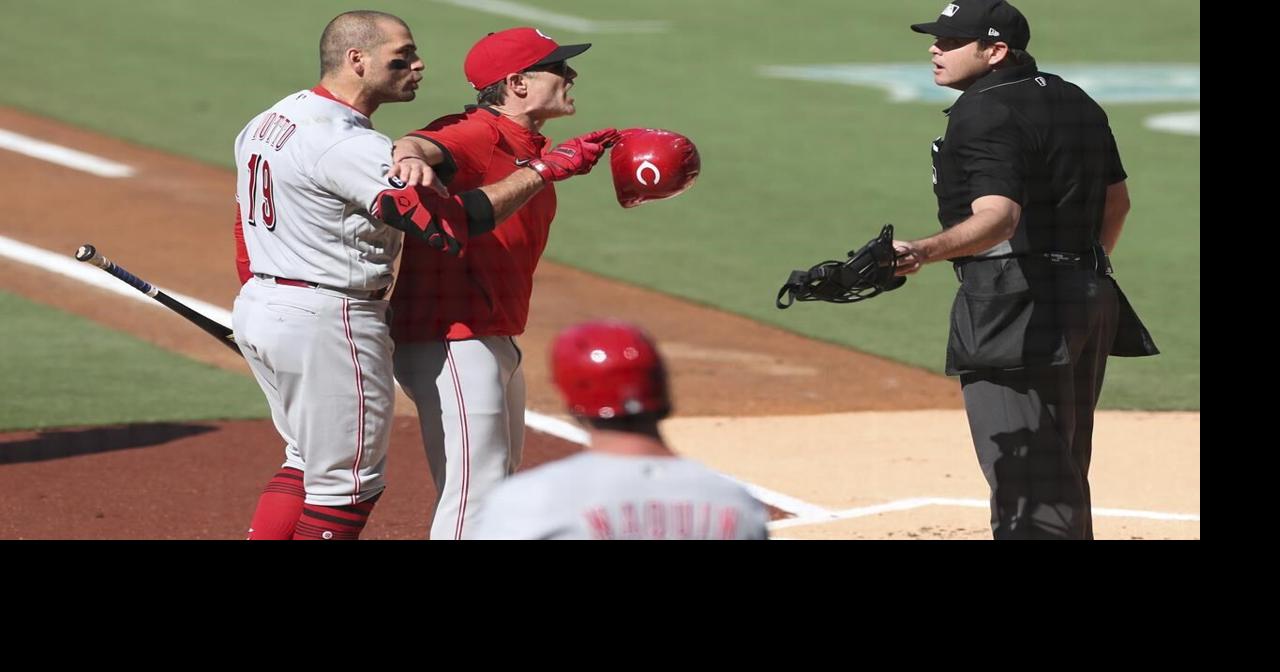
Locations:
362 29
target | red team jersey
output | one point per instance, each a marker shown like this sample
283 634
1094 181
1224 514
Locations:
486 290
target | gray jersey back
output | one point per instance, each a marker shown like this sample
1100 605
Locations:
599 496
308 170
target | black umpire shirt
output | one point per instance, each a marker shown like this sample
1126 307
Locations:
1044 143
1035 139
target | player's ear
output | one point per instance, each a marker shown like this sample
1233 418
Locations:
517 83
355 58
999 51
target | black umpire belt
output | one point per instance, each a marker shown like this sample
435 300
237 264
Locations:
1095 259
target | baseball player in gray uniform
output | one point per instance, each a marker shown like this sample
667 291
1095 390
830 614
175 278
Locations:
320 224
628 484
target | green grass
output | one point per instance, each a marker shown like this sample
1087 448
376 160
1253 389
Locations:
62 370
793 172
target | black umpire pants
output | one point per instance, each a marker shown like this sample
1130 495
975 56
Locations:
1033 430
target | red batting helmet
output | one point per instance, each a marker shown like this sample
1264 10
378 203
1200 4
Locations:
651 164
609 369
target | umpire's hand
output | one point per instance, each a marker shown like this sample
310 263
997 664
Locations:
909 257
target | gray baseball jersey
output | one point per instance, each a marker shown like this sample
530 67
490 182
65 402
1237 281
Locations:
311 322
601 496
308 170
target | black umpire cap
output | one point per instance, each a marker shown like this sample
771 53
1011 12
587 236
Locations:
992 20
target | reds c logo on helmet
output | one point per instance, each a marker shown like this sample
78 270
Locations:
609 369
651 164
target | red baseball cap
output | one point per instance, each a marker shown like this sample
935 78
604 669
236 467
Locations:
499 54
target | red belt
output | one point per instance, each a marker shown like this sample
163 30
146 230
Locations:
372 294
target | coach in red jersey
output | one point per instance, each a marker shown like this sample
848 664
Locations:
456 319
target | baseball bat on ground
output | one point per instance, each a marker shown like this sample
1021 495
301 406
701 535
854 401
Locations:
87 253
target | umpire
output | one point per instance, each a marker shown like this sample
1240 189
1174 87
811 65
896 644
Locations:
1032 197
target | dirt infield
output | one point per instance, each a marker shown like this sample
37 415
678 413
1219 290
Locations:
171 224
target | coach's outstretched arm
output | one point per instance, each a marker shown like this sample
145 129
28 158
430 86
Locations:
415 159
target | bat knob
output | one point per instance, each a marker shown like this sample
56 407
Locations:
85 253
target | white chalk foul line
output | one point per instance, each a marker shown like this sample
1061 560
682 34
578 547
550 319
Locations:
1101 512
63 156
777 500
543 18
556 427
67 266
827 516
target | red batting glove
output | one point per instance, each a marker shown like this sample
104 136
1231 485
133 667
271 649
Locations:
575 157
